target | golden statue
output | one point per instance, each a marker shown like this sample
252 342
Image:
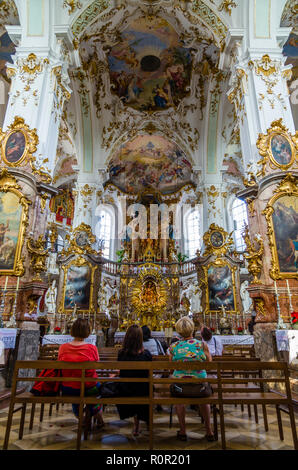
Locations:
149 294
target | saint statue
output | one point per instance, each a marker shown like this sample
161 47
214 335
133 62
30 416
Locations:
245 297
195 295
50 298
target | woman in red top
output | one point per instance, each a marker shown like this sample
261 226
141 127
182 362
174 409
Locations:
78 351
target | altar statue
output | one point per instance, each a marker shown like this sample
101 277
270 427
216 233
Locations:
195 295
245 297
50 298
185 303
149 294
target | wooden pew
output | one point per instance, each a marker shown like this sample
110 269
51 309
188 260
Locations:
228 391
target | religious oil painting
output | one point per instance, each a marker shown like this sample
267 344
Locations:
150 68
77 289
7 50
220 288
285 226
150 161
10 224
281 151
15 148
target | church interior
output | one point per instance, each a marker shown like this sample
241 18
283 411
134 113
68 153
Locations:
148 172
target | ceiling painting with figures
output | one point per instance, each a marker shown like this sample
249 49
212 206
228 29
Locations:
150 68
150 161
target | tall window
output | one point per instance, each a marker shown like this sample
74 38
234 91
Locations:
105 232
239 215
193 238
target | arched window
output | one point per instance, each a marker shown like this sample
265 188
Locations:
239 215
59 243
193 237
104 233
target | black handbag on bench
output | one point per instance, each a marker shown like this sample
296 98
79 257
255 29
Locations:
199 390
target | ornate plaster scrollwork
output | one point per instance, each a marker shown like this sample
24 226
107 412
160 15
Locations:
72 5
269 70
254 254
238 90
36 249
227 6
30 67
80 242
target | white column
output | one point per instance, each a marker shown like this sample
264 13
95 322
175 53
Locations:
39 77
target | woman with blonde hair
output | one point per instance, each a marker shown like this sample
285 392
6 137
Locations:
190 349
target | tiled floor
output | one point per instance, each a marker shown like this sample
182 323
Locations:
59 432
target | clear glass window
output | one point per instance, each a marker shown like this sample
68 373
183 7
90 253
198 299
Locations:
193 240
239 214
105 230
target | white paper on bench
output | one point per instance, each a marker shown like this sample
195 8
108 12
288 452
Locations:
61 339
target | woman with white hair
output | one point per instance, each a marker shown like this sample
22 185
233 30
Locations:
190 349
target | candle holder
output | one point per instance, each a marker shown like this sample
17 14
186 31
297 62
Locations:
280 323
2 306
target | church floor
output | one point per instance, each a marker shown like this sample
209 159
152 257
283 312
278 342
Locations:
59 432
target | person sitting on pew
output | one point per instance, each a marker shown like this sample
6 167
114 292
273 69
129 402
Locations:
152 345
214 344
79 351
133 350
190 349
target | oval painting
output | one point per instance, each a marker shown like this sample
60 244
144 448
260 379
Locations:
15 147
281 150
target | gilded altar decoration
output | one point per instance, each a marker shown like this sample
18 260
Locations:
227 6
63 206
72 5
39 254
80 242
220 287
78 287
278 147
217 241
282 214
18 143
148 295
14 207
254 254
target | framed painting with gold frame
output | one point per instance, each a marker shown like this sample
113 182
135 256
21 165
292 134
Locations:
281 214
278 147
78 286
281 151
14 209
18 143
220 287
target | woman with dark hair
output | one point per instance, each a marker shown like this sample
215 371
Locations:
151 344
214 344
133 350
79 351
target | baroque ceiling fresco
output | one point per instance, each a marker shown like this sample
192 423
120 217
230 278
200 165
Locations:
150 68
148 63
149 161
